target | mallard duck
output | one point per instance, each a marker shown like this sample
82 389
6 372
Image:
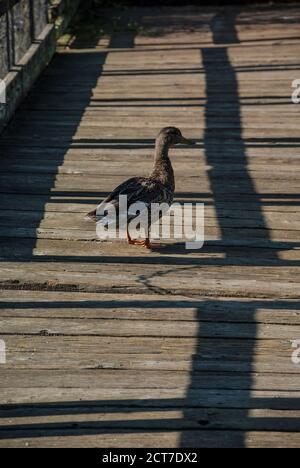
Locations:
159 187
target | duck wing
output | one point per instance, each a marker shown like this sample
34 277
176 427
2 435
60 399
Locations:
137 189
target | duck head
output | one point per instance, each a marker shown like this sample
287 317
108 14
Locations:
171 136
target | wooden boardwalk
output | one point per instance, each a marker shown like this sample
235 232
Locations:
109 345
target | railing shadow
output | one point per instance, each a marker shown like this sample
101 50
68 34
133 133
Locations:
231 389
223 28
214 412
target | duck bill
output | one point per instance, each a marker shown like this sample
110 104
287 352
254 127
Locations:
185 141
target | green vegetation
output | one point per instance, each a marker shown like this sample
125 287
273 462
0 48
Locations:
91 21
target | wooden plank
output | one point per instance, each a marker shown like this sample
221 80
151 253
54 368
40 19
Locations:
211 233
31 352
82 203
147 307
232 236
62 221
55 397
103 378
159 439
102 346
44 184
243 282
142 168
109 345
264 155
63 419
23 326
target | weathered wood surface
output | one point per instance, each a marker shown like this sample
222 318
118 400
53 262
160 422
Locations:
109 345
19 27
27 44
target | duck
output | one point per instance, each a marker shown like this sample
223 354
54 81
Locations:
158 187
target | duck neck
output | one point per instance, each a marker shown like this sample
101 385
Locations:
161 151
163 170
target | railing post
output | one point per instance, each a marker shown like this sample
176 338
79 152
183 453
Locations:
8 38
11 15
32 20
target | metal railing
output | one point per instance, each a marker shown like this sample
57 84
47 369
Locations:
21 22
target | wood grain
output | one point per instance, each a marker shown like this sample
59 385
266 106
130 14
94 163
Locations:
111 346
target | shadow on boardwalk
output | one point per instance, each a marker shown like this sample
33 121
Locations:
232 388
223 28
